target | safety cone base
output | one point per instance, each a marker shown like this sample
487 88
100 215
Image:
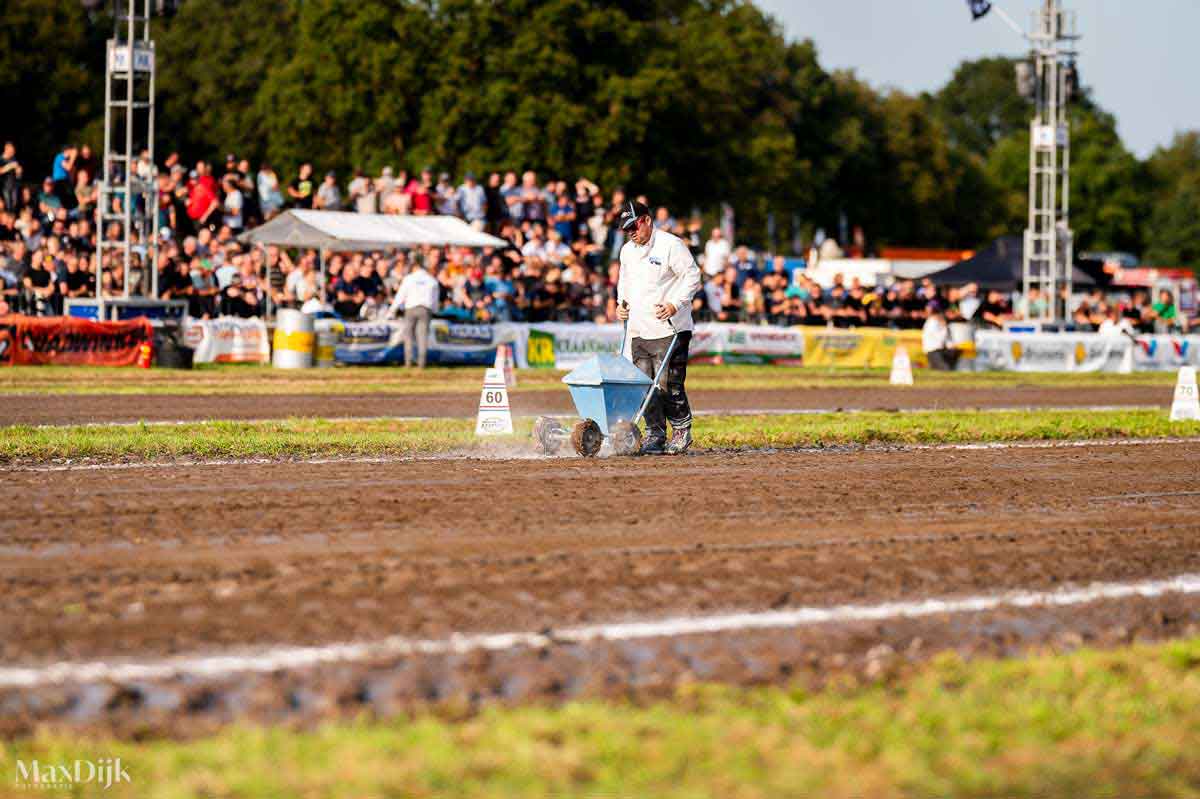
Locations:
495 416
901 368
1185 407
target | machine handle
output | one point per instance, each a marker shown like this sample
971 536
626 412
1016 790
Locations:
625 332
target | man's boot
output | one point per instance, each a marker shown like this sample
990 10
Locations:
680 441
654 444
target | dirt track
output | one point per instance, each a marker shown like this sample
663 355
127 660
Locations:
80 409
159 561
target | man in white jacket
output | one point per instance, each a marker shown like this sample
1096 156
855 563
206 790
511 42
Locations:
418 295
658 279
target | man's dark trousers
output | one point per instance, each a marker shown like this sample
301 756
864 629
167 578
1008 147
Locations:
670 402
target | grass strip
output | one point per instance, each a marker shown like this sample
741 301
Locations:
1088 723
296 438
247 379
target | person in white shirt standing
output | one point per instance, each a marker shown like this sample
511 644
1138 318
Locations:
716 253
658 279
418 296
936 341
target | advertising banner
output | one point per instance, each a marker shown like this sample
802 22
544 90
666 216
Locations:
227 339
861 347
1165 353
565 346
1052 352
754 344
450 344
77 342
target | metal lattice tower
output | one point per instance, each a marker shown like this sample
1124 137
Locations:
1049 241
128 188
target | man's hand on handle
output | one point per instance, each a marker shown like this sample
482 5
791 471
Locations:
662 311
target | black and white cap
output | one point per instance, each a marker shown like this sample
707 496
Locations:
631 212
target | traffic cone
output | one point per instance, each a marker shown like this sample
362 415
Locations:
1186 405
901 368
495 417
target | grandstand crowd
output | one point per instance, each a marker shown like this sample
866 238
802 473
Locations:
560 262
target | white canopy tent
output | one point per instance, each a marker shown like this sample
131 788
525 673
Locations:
341 231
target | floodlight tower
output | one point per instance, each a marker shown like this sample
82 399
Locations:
128 188
1049 241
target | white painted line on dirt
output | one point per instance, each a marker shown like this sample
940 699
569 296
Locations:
298 657
470 455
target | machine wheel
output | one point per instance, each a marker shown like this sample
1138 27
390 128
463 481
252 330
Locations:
587 438
549 435
626 438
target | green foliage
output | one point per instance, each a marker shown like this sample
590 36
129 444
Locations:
214 56
51 77
1173 233
980 106
1108 197
347 95
692 102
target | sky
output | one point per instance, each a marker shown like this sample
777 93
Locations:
1139 57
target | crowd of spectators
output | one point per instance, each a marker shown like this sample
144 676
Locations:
560 262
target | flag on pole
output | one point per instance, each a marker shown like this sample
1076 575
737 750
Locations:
979 8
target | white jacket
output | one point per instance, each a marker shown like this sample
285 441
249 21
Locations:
417 289
662 271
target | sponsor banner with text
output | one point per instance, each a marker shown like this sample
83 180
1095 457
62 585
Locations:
227 339
861 347
565 346
1052 352
69 341
1165 353
450 343
754 344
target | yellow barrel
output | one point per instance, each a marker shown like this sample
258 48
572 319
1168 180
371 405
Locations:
294 340
328 333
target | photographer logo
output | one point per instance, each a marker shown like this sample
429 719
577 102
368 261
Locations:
103 773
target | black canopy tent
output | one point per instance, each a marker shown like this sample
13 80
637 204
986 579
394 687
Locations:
998 266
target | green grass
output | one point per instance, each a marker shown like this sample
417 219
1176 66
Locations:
1120 723
245 379
291 438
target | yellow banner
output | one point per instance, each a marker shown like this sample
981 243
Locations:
862 347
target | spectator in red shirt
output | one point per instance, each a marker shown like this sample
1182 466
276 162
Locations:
422 193
203 207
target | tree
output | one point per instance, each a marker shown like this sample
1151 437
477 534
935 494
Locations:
692 102
980 106
1108 185
51 77
1007 171
214 56
684 101
1173 231
348 95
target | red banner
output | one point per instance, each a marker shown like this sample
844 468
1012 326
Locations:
66 340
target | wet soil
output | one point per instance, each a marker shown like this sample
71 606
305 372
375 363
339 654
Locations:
132 563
